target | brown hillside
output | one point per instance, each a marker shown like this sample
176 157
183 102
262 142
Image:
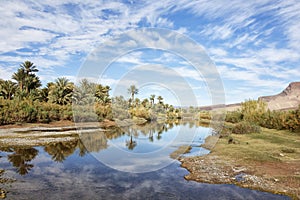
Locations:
287 99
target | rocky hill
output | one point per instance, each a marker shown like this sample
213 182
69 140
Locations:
289 98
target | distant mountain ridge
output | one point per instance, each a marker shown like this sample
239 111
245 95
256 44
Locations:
288 99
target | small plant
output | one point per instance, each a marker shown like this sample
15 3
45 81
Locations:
230 140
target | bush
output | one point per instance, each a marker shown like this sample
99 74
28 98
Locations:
205 115
13 111
103 111
255 112
234 117
245 128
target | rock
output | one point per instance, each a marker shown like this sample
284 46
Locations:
237 170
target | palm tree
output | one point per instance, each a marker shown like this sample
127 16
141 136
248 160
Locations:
160 99
102 94
137 102
26 78
61 91
152 98
132 90
19 76
8 89
167 107
84 92
32 82
28 67
145 103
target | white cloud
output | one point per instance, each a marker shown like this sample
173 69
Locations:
257 39
250 77
218 52
218 32
275 55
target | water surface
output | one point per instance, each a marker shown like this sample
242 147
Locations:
70 171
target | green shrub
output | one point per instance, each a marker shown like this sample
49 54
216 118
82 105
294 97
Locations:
43 117
234 117
245 128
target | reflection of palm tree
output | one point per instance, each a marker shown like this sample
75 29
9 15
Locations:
158 136
24 168
82 149
131 144
59 151
93 141
151 135
20 159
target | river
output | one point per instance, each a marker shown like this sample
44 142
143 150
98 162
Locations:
127 163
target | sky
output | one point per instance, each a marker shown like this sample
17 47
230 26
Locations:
253 45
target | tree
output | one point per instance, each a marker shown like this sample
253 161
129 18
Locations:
102 94
132 90
84 93
32 82
152 98
137 102
167 106
26 78
19 76
61 91
145 103
28 67
160 99
8 89
252 110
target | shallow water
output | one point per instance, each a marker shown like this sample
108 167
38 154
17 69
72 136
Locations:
68 171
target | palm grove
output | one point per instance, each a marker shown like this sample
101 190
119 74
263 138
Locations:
22 99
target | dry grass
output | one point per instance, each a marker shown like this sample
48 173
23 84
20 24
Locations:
270 145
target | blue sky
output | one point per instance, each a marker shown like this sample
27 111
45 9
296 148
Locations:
255 45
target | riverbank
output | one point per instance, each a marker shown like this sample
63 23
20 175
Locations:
62 123
36 134
267 161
